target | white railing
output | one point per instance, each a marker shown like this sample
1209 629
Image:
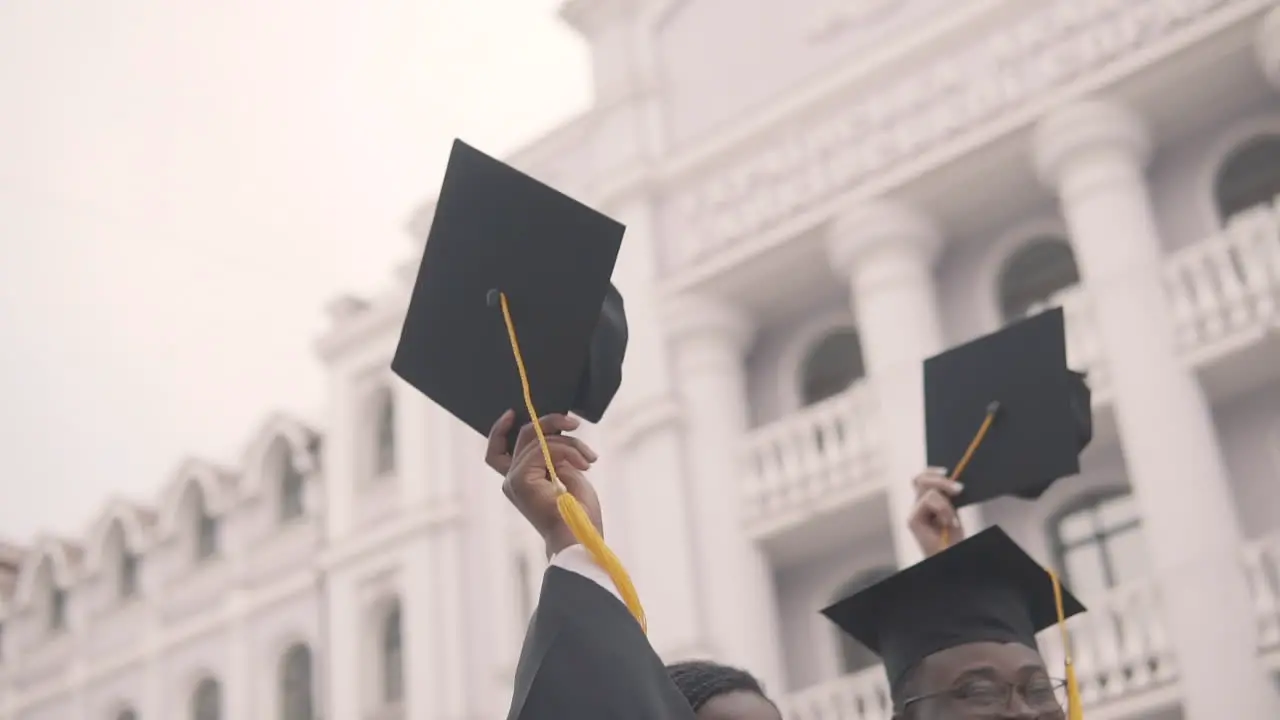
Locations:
860 696
813 457
1225 289
1121 648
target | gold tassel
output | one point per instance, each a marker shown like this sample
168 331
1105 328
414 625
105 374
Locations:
1074 709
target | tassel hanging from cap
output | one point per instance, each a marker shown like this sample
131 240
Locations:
993 409
574 515
1074 709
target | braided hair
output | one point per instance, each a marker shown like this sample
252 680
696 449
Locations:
701 681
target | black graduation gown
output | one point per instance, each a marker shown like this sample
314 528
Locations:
585 657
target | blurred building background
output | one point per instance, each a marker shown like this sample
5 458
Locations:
819 194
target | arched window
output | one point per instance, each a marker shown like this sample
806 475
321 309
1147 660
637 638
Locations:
384 436
1033 274
206 527
1100 544
128 572
1249 176
117 550
57 608
291 484
832 365
854 656
206 701
392 652
296 693
127 714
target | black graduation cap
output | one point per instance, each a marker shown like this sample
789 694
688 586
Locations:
1005 411
982 589
498 235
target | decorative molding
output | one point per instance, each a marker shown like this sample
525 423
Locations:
217 485
841 16
858 141
135 523
299 440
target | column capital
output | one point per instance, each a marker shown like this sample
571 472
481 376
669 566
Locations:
691 316
1267 46
1087 129
880 226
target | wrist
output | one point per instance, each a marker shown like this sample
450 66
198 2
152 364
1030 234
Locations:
557 540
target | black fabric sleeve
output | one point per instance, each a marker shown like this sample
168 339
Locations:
586 658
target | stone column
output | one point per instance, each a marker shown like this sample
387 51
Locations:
1093 154
887 251
645 487
738 603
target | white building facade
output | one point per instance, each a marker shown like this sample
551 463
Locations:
819 195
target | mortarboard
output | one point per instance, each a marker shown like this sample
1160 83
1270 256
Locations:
513 308
1005 411
497 229
982 589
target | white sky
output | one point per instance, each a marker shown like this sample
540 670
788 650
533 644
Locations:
184 183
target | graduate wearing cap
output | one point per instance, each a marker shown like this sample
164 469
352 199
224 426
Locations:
957 631
513 308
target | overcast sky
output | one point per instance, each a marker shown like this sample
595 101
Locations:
184 183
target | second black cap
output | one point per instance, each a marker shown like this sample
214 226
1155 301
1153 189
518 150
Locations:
1041 411
983 589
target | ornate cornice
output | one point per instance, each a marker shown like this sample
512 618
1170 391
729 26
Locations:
857 142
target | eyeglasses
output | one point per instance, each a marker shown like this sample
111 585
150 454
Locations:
988 697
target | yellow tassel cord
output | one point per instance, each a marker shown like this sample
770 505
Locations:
968 455
575 516
1074 710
